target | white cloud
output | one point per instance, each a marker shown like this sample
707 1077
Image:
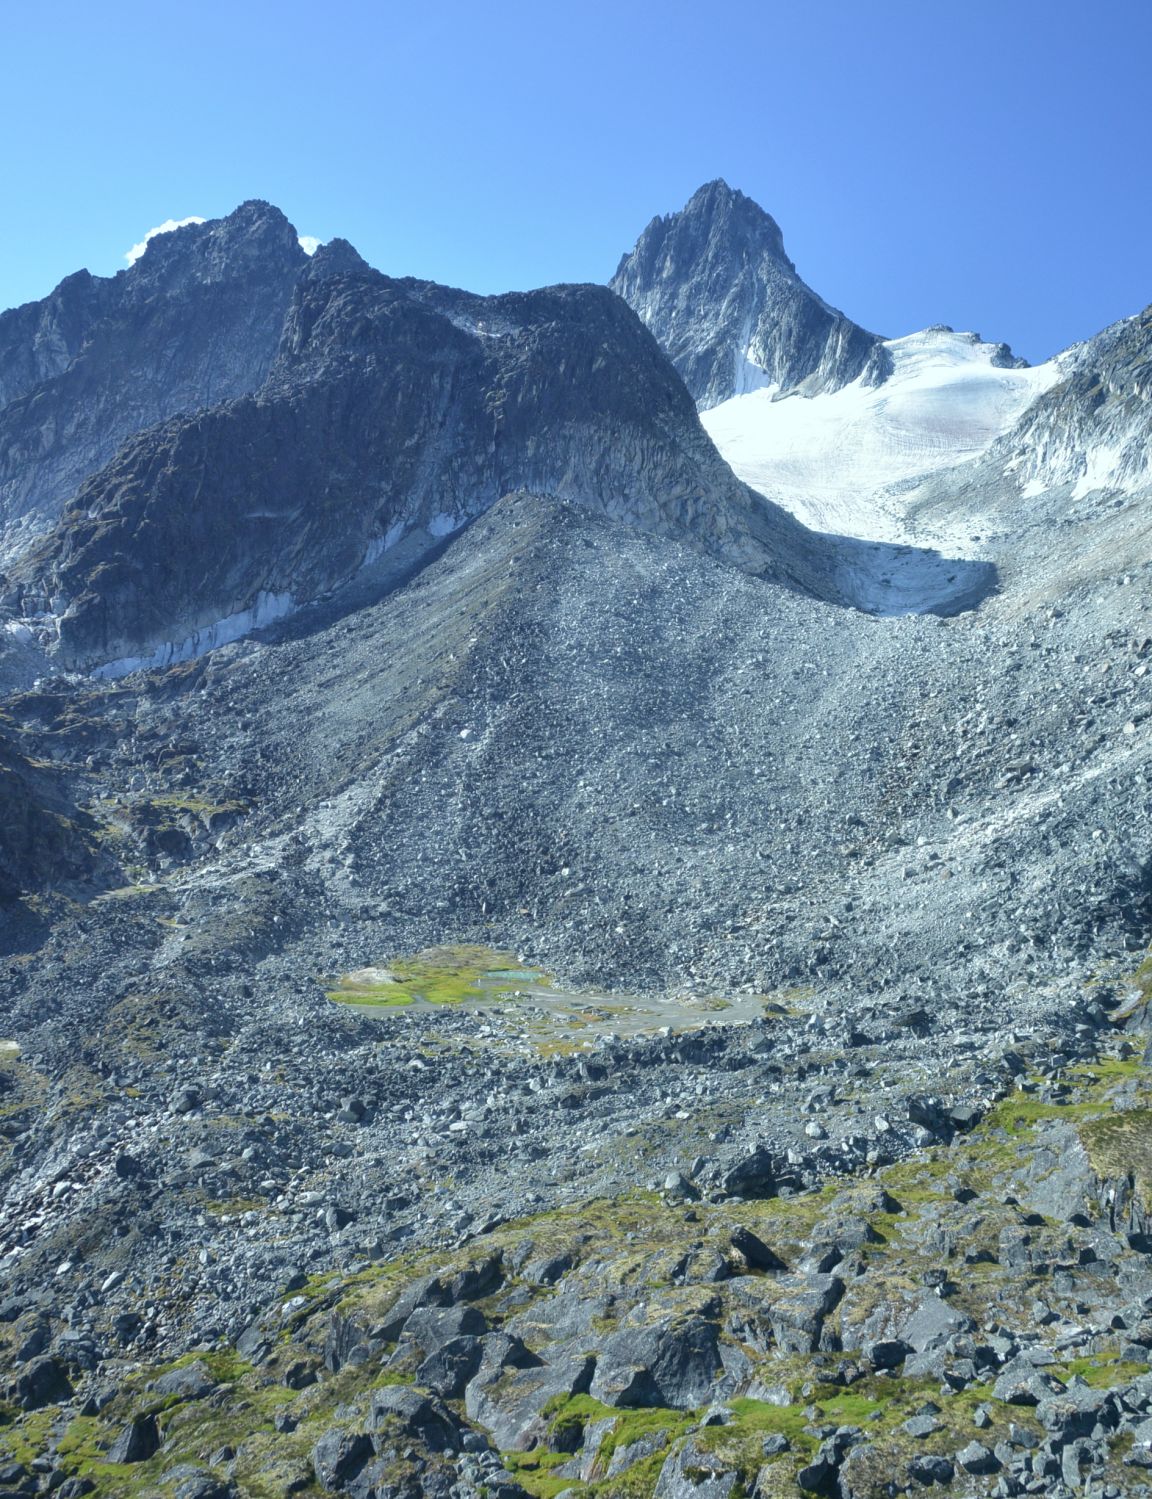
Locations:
134 254
310 244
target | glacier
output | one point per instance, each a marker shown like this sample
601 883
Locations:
845 462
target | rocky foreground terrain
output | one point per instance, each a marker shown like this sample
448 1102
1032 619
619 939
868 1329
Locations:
566 1004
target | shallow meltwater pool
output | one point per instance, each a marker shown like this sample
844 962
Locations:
521 1006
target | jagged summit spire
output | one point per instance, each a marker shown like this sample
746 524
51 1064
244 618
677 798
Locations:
254 237
716 287
336 257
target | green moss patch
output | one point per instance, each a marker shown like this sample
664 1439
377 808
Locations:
436 976
1121 1145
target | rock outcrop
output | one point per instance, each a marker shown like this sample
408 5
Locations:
195 321
714 284
44 840
396 412
1093 428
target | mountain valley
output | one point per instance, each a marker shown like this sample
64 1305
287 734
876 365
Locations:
575 883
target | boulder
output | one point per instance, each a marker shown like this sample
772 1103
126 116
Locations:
510 1404
43 1382
138 1441
338 1456
673 1363
1021 1383
429 1328
928 1470
754 1175
797 1313
933 1323
424 1417
978 1459
692 1473
756 1253
448 1370
189 1382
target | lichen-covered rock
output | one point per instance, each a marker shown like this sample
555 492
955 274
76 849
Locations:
137 1442
510 1403
693 1473
417 1414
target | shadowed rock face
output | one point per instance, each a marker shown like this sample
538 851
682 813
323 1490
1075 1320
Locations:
715 286
194 322
395 411
228 430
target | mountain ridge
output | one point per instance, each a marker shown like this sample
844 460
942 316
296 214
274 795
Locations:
573 1007
472 413
195 320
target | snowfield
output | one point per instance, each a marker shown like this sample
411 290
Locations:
844 462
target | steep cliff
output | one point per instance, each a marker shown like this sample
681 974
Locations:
195 321
715 286
396 411
1092 429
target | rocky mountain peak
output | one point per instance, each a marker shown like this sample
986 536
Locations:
730 220
336 257
195 320
255 239
714 284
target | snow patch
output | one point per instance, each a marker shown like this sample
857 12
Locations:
1101 471
266 608
443 524
482 327
748 375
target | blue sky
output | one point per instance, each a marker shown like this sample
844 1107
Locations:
980 164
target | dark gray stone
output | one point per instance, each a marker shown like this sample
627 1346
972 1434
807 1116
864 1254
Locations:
978 1459
418 1415
137 1442
338 1456
509 1403
43 1382
928 1469
672 1364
